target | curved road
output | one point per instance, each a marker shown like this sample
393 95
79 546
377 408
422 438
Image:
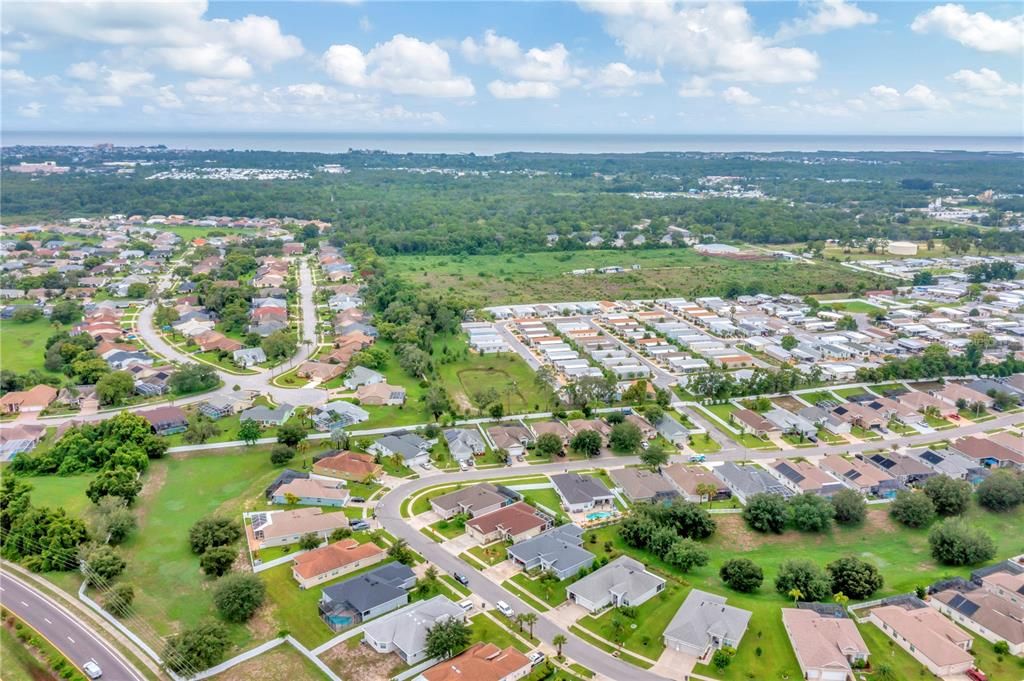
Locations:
389 514
65 631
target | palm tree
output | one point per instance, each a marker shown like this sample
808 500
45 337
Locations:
706 489
796 594
430 574
520 620
558 641
529 619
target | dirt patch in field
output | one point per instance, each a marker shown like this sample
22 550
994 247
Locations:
352 660
789 403
153 482
262 625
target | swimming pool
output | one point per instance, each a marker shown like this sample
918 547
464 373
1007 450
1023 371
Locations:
599 515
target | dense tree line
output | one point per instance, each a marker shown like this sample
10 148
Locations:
670 532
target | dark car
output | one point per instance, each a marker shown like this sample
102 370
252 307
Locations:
358 500
461 578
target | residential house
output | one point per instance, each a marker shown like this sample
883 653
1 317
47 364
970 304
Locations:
480 662
673 431
283 478
580 493
826 647
646 429
464 443
360 375
220 406
749 421
622 582
804 477
248 357
952 464
338 414
825 419
792 424
513 438
351 466
922 401
334 560
280 528
479 499
987 614
554 427
380 394
1009 439
951 393
930 638
267 416
1007 583
166 420
312 492
686 479
19 438
858 415
513 523
640 484
907 470
35 399
746 480
320 371
210 341
558 550
704 623
859 475
404 632
366 596
600 427
413 449
988 452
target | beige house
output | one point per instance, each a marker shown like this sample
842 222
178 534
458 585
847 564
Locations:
930 638
280 528
381 394
334 560
826 648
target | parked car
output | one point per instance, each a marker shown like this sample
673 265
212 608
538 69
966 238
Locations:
358 524
505 609
461 578
697 458
358 500
976 675
463 466
92 670
536 657
466 605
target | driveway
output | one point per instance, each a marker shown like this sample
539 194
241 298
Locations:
460 544
502 571
674 665
567 613
423 519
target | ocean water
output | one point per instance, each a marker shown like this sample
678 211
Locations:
487 144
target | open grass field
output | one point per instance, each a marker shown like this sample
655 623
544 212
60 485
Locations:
643 633
857 306
486 630
901 554
544 497
283 663
62 491
507 373
23 345
534 277
189 232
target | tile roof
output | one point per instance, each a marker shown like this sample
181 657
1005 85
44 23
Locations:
334 556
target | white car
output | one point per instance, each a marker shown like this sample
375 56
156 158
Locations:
536 657
92 670
505 609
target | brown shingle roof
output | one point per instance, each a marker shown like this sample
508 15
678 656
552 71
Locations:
514 519
481 662
333 556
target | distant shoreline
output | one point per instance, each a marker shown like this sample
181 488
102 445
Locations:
489 144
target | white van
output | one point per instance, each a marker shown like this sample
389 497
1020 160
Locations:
505 609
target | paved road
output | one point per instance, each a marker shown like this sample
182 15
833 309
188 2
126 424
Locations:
389 515
65 631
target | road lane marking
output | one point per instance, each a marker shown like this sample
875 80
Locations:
47 620
25 604
71 639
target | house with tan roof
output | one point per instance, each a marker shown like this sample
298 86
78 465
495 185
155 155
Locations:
352 466
378 394
953 392
33 400
804 477
826 648
1009 585
921 401
480 662
514 523
322 371
280 528
930 638
988 452
686 478
334 560
479 499
640 484
749 421
859 475
511 437
987 614
312 492
553 426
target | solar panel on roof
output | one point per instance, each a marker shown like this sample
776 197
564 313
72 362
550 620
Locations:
931 457
883 461
789 472
963 605
853 475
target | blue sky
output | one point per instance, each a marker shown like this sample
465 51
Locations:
656 66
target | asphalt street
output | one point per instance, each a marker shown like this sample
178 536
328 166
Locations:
62 629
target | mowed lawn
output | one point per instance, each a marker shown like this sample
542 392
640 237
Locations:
900 553
544 276
23 345
62 491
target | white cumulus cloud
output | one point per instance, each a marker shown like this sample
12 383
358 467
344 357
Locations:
31 110
917 98
618 76
827 15
986 87
739 96
715 39
523 89
696 86
976 30
403 65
